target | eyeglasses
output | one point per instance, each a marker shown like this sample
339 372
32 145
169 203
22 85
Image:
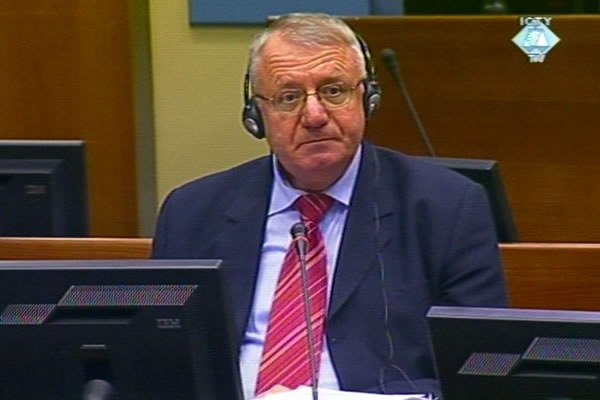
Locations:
331 95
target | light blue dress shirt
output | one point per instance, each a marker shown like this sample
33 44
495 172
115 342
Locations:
281 216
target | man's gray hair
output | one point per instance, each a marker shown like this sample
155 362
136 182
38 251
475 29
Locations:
309 29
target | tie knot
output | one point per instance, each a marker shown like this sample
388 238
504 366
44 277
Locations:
313 206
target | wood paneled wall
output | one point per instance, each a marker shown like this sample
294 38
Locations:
66 73
479 97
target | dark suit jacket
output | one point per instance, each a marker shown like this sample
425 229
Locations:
416 234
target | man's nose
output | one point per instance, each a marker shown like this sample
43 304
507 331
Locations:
314 114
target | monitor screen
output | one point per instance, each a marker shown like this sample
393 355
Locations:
139 329
516 354
43 188
487 174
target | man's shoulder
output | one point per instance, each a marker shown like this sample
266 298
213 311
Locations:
418 171
249 172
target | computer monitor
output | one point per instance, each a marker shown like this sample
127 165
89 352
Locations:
143 329
43 188
487 174
516 354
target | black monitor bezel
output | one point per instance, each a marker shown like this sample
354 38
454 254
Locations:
43 281
456 333
73 171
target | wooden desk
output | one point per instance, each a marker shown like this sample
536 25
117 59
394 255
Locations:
553 275
73 248
539 275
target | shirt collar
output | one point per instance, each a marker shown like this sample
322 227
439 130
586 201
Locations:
284 195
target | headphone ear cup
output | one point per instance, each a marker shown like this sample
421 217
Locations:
371 97
252 119
372 92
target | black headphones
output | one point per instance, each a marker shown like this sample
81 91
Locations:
252 119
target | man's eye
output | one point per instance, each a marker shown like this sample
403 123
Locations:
288 97
332 91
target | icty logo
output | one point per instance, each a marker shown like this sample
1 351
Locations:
535 39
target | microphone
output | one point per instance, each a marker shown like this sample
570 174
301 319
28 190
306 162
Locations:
390 60
98 389
298 233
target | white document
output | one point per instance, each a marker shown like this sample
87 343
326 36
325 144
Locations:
305 393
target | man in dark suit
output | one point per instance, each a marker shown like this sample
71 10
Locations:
398 235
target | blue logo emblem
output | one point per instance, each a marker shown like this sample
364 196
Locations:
536 39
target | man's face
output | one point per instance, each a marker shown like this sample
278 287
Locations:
314 144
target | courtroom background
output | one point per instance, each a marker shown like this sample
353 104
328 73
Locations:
158 101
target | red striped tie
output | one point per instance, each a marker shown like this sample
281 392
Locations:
285 359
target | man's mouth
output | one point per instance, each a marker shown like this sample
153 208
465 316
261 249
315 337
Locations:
327 139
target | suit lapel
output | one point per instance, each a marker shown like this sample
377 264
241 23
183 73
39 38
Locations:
240 241
364 233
